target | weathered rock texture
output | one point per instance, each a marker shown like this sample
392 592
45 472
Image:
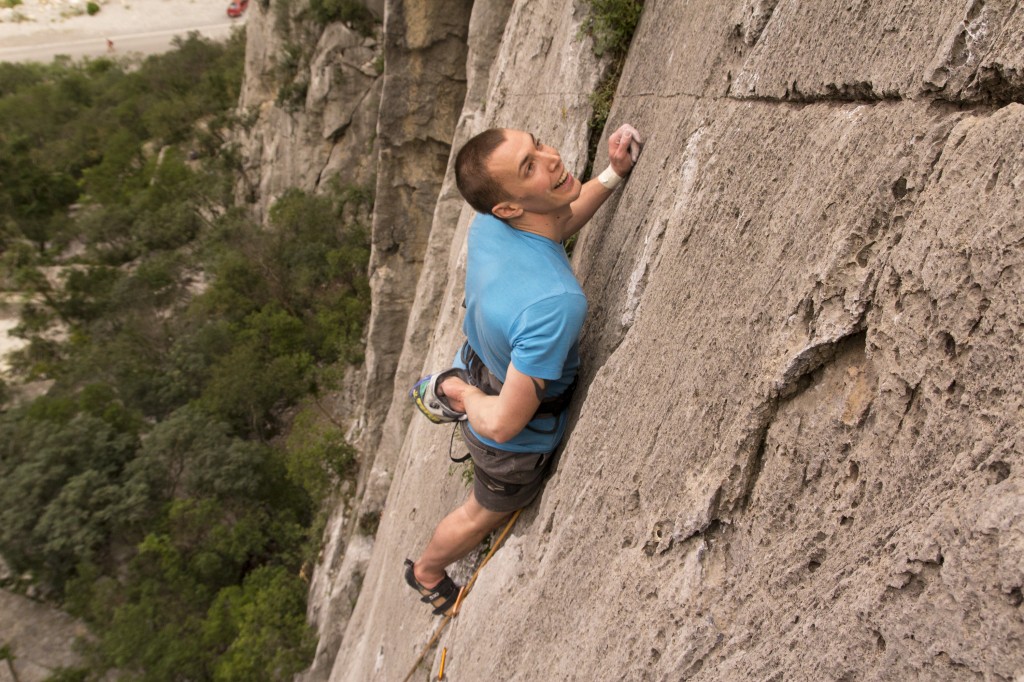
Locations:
293 140
797 448
41 639
424 87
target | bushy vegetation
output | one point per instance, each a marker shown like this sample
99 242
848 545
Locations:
154 489
351 12
610 24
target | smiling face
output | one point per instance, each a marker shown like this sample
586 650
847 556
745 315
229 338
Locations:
533 176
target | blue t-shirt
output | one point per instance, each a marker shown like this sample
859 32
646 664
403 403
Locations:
524 307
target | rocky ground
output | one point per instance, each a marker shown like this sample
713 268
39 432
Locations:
40 638
9 307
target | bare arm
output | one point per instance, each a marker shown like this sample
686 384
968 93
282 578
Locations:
593 193
498 417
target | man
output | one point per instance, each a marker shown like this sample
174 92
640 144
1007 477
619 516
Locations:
524 312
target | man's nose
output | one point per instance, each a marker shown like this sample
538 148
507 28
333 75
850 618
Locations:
551 158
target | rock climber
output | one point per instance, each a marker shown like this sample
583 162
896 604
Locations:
524 311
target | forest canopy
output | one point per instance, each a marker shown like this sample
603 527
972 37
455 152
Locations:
162 488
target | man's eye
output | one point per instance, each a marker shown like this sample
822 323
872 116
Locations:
529 168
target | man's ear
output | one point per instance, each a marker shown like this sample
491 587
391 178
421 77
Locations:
506 210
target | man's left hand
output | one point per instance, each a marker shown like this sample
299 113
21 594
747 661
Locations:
454 389
624 149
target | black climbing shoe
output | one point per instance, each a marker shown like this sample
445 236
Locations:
442 596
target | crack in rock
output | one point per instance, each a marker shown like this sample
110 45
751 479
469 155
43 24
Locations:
752 446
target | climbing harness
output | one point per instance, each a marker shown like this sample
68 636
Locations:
484 379
458 603
435 407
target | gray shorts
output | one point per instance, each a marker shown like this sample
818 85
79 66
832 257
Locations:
505 481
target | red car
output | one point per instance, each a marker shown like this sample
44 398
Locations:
237 8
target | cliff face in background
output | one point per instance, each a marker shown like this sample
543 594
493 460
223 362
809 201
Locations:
392 133
301 140
796 452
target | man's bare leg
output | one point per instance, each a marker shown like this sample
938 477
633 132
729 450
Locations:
456 535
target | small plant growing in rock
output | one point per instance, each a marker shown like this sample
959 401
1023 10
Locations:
611 25
351 12
292 96
92 9
466 472
369 523
69 675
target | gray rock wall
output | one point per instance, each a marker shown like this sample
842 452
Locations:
40 638
797 450
424 89
330 132
422 94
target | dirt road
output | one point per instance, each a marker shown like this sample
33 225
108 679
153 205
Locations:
39 31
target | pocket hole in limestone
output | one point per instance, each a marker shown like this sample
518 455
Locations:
948 344
899 188
997 472
853 473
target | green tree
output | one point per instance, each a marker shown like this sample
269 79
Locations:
264 623
144 487
192 455
62 473
317 456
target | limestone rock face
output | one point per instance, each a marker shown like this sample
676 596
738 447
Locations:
796 449
295 140
41 638
421 96
424 90
486 26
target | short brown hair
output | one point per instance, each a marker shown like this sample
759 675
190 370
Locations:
474 181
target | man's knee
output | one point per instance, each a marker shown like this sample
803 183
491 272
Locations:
480 516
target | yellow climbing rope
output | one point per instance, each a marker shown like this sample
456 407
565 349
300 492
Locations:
462 594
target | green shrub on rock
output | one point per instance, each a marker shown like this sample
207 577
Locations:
612 23
351 12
